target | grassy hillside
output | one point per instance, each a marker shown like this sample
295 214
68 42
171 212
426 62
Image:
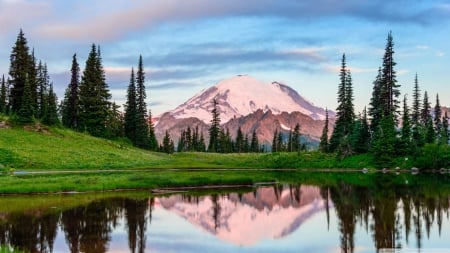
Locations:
42 148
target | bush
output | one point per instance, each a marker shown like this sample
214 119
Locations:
434 156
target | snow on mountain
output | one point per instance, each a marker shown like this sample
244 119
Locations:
243 95
250 218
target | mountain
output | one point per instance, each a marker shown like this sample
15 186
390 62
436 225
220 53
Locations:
244 219
243 95
249 103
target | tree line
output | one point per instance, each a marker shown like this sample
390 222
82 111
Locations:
422 129
27 96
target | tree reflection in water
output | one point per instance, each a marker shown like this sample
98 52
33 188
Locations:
389 211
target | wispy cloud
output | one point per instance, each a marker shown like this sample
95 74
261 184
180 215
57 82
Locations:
120 18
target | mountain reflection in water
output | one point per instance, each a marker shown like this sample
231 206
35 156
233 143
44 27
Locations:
282 218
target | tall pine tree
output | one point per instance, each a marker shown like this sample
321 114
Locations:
94 96
438 117
406 133
142 129
70 108
323 146
416 123
3 95
345 110
50 116
21 68
445 135
214 129
375 108
26 110
389 87
130 117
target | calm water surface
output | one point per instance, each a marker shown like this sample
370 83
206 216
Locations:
278 218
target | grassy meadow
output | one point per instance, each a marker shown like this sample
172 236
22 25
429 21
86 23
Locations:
101 165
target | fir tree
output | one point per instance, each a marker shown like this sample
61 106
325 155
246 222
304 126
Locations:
427 120
375 109
361 134
142 127
254 145
344 111
214 129
43 85
130 117
280 144
405 140
383 147
114 122
274 141
167 145
239 144
438 117
323 146
389 87
26 111
296 146
50 116
445 136
21 68
70 108
246 144
3 95
416 123
94 96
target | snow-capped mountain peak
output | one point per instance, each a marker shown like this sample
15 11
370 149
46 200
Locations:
242 95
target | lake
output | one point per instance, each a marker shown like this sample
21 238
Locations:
404 212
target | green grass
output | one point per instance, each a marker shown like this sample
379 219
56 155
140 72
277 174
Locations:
62 149
53 149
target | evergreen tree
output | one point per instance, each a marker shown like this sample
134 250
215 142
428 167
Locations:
445 136
254 145
239 144
114 122
3 95
344 111
361 134
246 144
130 117
383 147
21 68
438 117
50 116
26 111
214 129
406 133
348 105
389 87
416 123
43 85
296 146
427 120
201 145
142 127
323 146
167 145
70 108
151 129
375 109
280 144
94 96
274 141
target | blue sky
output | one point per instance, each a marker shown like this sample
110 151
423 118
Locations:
189 45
